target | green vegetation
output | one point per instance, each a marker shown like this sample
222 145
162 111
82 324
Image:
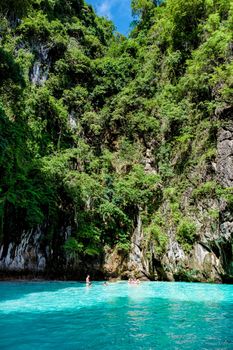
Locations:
186 233
156 233
96 127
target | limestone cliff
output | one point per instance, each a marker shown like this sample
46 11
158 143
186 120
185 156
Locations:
116 154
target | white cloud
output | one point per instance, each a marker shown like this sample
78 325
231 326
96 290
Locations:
107 8
104 9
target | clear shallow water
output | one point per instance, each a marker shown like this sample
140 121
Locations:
152 315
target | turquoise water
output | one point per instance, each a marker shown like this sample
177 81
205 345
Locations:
152 315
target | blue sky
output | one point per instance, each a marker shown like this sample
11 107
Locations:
118 11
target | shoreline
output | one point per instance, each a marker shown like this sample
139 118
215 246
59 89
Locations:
39 276
25 279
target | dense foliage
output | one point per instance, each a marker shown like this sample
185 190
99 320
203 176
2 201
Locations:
96 128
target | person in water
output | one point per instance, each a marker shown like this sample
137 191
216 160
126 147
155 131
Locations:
133 281
88 281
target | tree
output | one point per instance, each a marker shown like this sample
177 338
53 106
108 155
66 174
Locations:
142 7
15 8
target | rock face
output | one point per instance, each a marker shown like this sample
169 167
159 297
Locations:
125 265
138 264
41 66
34 255
28 255
225 178
225 156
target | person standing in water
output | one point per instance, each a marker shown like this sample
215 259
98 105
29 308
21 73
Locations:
88 282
